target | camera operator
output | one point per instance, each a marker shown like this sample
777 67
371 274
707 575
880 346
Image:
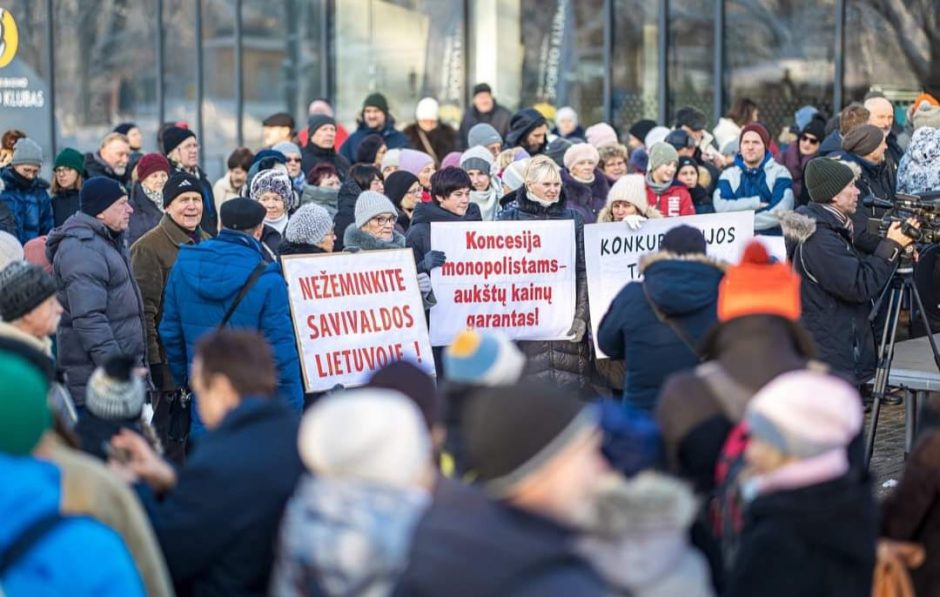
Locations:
839 281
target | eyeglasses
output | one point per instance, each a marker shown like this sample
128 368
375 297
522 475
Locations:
384 220
810 140
293 160
416 192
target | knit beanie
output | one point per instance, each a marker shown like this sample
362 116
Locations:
680 139
803 116
269 155
601 134
661 154
566 113
639 160
825 178
397 184
178 183
413 160
369 148
10 249
23 287
412 382
863 139
514 431
286 148
371 435
376 100
630 188
756 127
683 240
309 225
815 127
26 151
758 287
805 413
691 117
24 414
641 128
98 194
483 359
273 181
656 135
427 109
391 159
34 251
114 392
316 121
451 160
173 137
151 163
370 204
242 214
483 134
556 149
514 174
477 158
124 128
924 98
928 115
70 158
580 152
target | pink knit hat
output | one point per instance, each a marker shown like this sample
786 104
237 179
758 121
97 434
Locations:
579 152
412 160
601 134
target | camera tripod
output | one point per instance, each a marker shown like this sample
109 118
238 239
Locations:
900 287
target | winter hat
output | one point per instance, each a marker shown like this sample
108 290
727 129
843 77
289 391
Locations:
391 159
756 127
805 413
427 109
656 135
639 160
756 286
125 127
649 502
566 113
601 134
273 181
26 151
320 106
923 98
397 184
483 134
371 435
803 116
376 100
309 225
242 214
23 287
680 139
70 158
483 359
279 119
413 160
683 240
684 161
286 148
173 137
630 188
316 121
690 117
927 116
368 148
815 127
660 154
506 443
641 128
514 174
370 204
521 124
178 183
476 158
98 193
451 160
114 392
10 249
151 163
34 251
482 88
863 139
410 381
825 178
632 438
556 150
24 419
580 152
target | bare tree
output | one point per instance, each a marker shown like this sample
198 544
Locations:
915 23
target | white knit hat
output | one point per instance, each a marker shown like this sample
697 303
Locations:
656 135
630 188
370 434
370 204
514 174
427 109
477 158
10 249
309 225
391 158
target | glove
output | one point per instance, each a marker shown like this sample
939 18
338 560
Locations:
424 283
634 222
433 259
577 330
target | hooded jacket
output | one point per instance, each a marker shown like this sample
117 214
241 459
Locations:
522 123
313 154
685 289
919 171
345 211
29 202
103 311
394 139
418 238
588 199
742 188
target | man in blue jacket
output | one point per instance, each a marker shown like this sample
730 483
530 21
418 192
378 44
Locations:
204 283
375 120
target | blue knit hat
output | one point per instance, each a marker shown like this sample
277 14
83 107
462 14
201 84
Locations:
483 359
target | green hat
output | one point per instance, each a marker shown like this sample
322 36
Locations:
825 178
660 154
70 158
24 412
376 100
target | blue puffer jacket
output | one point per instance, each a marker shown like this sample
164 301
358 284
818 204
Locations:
202 285
78 557
741 188
30 203
686 290
394 139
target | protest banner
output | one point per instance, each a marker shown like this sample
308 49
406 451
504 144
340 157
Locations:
355 313
612 252
516 277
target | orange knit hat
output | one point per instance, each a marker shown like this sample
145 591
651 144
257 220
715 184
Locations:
758 287
924 97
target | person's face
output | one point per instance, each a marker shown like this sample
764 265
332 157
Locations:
381 226
412 197
621 209
881 114
847 199
483 102
536 138
479 179
584 168
566 126
546 190
688 176
156 181
380 155
328 241
427 124
388 170
118 214
330 182
43 321
377 185
272 135
634 143
615 167
65 177
574 476
216 395
878 156
373 117
116 155
324 136
752 148
293 165
457 202
495 148
762 457
424 176
238 177
135 138
186 210
696 135
272 202
188 153
809 144
665 173
27 171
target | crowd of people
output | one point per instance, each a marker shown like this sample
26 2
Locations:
156 436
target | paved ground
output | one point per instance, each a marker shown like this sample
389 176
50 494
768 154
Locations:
887 462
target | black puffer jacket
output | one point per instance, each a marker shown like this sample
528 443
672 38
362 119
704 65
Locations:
64 204
566 364
418 238
345 211
311 155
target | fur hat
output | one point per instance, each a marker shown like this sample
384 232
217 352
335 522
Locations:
482 359
580 152
371 204
273 181
650 501
308 225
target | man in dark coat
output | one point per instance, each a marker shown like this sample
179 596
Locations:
866 146
375 120
218 518
484 109
103 310
450 202
839 282
429 134
181 148
322 146
528 129
111 160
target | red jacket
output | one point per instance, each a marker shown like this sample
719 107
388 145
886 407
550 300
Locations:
675 201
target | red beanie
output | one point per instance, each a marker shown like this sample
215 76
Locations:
757 286
150 163
758 128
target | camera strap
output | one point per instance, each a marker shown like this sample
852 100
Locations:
808 273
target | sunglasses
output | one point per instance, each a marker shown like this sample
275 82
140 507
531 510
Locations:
811 140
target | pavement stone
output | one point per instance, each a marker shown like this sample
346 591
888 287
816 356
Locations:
887 461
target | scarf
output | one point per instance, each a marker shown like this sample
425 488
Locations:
487 201
657 187
796 475
279 224
531 197
156 197
845 220
584 180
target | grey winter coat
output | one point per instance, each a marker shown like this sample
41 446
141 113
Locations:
103 310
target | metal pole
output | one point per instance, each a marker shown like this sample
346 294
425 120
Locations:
161 109
718 69
838 91
50 76
327 54
663 78
608 59
239 80
200 84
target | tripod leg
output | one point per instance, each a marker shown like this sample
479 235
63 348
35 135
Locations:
885 352
924 320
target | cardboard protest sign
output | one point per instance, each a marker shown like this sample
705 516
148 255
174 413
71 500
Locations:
612 252
517 277
355 313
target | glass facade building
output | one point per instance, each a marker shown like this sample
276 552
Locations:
81 66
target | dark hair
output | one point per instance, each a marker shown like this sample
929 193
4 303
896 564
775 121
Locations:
369 148
10 138
742 111
240 158
321 171
446 181
364 174
243 357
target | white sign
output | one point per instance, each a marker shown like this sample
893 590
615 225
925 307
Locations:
612 252
355 313
517 277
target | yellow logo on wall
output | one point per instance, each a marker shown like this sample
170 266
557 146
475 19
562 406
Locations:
9 37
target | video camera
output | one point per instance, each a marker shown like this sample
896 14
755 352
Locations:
924 208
